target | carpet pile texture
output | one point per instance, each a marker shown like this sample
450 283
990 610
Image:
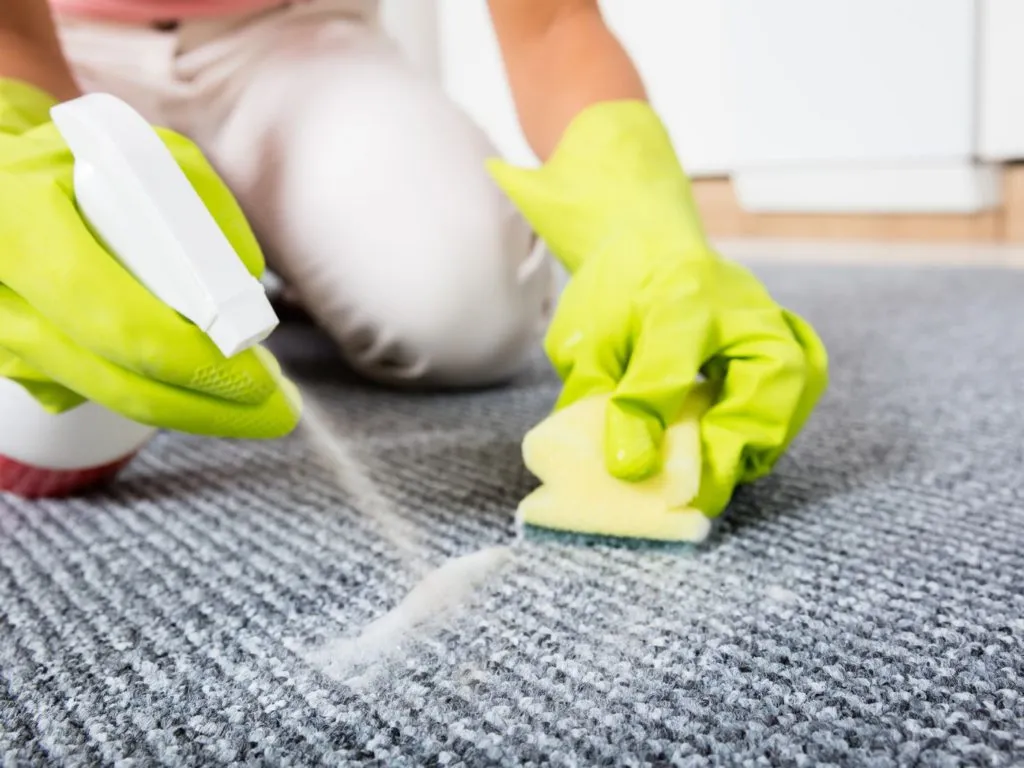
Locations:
864 605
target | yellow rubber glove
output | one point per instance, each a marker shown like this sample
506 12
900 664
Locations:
651 306
75 325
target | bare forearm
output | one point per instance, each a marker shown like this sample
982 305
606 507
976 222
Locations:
30 51
560 61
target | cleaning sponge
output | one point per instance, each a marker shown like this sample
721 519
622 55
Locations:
578 495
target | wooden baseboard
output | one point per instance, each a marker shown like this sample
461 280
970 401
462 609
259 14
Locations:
723 217
1013 205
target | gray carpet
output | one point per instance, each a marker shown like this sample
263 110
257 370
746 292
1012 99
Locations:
862 606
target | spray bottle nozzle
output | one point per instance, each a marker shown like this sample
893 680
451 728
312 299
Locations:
142 207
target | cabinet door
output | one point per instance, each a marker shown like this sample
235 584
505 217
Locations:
855 106
849 81
1001 101
676 45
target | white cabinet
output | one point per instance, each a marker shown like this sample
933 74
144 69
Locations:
855 105
1001 80
850 81
844 106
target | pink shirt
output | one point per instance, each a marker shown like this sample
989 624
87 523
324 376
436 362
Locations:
144 11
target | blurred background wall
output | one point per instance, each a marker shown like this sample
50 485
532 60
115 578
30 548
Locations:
875 119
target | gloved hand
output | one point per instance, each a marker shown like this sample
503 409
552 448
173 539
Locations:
76 325
650 306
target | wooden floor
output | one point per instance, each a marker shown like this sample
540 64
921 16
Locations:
723 218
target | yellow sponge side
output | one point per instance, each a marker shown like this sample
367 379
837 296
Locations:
565 452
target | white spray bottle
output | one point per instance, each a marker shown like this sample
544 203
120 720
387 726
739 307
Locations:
142 207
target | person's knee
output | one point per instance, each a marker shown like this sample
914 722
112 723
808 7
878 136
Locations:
397 239
453 287
469 313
